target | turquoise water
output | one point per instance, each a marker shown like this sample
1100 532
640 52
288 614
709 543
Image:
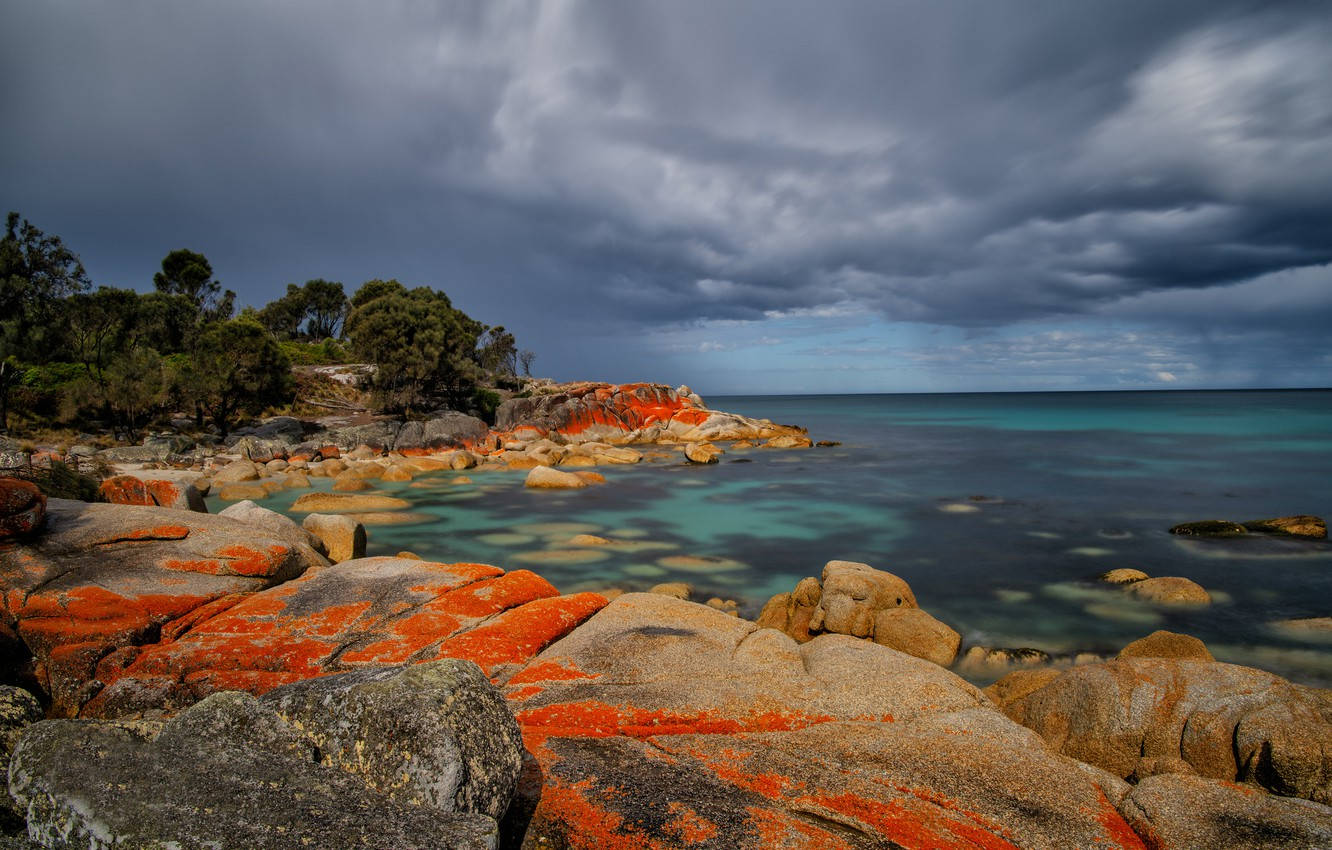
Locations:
999 509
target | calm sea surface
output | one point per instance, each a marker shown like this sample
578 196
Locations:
999 509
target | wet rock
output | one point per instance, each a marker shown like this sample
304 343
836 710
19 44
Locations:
589 540
22 508
1163 644
1170 590
343 537
1226 721
700 729
337 503
104 579
295 481
827 444
702 452
349 482
234 772
462 460
1305 526
365 613
1192 813
1124 575
787 441
1210 528
544 477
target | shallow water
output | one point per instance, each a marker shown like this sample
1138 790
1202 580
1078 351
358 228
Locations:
999 509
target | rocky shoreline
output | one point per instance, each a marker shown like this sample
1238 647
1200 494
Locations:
178 679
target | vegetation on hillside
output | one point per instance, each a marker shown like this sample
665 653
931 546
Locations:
84 357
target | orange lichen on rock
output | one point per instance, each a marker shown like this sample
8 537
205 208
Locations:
366 612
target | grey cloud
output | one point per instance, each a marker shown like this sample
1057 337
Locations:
952 163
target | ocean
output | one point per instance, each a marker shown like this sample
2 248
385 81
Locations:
1000 510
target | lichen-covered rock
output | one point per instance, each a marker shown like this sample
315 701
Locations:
18 710
104 579
436 734
344 538
232 772
366 613
1304 525
1179 812
1163 644
144 490
22 508
701 730
1225 721
626 413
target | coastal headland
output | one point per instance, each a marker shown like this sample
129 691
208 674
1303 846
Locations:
174 678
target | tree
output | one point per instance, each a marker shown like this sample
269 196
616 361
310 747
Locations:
422 347
526 358
36 272
165 322
134 388
187 273
98 326
237 367
11 374
498 352
326 306
283 317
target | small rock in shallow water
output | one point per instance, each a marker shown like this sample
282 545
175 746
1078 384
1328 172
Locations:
1210 528
1305 526
677 589
958 508
1170 590
1124 575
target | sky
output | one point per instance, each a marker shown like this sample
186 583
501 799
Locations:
754 196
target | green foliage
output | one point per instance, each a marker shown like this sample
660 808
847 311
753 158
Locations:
327 353
237 367
486 402
313 311
134 387
63 482
422 347
36 272
187 273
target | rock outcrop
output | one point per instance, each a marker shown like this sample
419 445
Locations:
103 579
366 613
1180 812
857 600
1304 525
425 757
153 490
344 538
664 724
1136 717
627 413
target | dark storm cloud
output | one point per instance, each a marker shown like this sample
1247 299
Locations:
967 164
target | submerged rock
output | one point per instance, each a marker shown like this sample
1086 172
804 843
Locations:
1124 575
337 503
